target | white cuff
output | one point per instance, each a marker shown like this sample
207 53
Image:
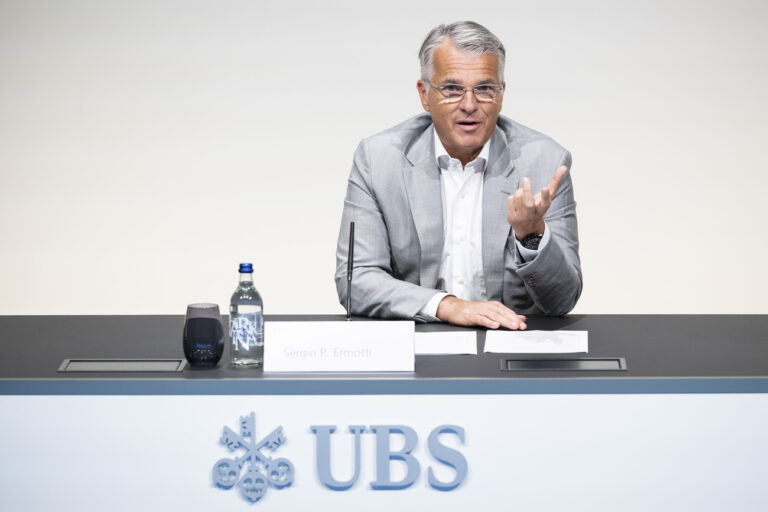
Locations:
530 254
429 311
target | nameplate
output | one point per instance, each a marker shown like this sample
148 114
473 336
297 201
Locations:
354 346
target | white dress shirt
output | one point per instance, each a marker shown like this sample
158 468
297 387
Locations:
461 265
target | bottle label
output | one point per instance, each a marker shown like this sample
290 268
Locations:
245 309
245 332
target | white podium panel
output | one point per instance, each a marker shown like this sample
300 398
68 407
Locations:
519 452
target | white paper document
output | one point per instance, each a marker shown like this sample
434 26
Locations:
536 342
446 342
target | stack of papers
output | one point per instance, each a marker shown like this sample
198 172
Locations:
446 342
536 342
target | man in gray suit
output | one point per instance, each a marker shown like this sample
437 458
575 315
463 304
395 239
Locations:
447 225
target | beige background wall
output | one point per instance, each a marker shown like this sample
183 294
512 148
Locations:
148 147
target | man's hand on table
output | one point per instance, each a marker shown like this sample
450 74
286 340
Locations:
486 314
525 212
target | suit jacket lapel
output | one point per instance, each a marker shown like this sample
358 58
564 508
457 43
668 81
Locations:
497 185
422 185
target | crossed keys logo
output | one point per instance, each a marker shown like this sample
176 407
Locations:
262 471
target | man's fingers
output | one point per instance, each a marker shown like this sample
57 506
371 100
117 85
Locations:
494 315
516 202
554 183
491 315
512 324
527 193
546 199
485 321
507 317
510 209
503 321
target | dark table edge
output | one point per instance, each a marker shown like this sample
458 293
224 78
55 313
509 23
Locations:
589 386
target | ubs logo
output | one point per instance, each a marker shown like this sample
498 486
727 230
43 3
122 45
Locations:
262 471
384 456
254 471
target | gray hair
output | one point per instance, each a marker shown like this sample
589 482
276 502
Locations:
467 36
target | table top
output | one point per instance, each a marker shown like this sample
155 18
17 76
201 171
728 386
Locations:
663 354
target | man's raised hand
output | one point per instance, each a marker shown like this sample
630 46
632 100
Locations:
525 212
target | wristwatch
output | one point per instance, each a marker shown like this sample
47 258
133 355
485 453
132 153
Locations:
531 241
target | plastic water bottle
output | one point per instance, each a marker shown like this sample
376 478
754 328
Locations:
246 322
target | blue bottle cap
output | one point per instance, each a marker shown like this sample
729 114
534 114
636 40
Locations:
246 268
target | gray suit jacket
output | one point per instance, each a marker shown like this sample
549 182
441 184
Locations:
394 197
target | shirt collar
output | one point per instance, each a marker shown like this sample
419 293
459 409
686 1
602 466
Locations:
442 157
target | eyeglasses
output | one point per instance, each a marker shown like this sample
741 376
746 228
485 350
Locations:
453 93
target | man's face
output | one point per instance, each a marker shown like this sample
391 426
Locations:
465 126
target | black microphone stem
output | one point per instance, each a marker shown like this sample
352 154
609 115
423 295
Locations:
350 266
